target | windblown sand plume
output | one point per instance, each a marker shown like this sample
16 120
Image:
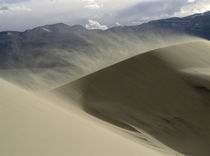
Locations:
153 104
159 95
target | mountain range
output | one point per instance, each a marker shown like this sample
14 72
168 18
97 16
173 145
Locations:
64 52
196 25
24 49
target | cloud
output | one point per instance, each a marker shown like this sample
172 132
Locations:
4 8
149 10
118 24
13 14
192 7
190 1
12 9
20 8
95 25
157 9
14 1
92 4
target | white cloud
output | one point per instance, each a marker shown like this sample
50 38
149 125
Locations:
190 1
13 10
26 14
92 4
10 8
196 7
118 24
95 25
20 8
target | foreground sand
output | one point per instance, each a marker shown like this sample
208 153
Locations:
30 126
160 95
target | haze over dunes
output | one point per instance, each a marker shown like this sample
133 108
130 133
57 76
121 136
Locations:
45 61
162 93
50 55
154 103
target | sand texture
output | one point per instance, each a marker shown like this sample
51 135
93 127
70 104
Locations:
159 95
153 104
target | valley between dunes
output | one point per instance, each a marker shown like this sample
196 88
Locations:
153 104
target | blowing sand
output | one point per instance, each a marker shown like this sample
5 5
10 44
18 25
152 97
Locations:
159 95
160 99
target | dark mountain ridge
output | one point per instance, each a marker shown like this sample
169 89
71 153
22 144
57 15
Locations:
25 49
196 25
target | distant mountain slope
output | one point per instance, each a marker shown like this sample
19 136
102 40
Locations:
59 50
197 25
24 49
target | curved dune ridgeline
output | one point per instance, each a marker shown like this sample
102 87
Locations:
153 104
160 95
31 126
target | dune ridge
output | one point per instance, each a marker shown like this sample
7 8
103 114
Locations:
162 93
155 103
34 126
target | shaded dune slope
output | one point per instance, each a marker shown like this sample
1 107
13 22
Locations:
163 93
31 126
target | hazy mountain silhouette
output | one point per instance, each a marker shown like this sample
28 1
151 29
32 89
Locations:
24 49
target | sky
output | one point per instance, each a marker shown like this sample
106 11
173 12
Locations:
20 15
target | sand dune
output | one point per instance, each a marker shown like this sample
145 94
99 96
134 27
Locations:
159 95
30 126
153 104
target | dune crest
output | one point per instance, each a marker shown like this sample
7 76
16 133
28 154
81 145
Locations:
33 126
159 92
